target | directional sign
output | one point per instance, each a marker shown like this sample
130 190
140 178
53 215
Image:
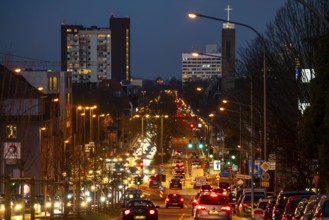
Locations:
265 166
241 176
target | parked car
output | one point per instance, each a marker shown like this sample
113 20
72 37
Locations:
269 207
310 207
321 211
259 209
282 199
175 184
245 204
300 208
291 205
174 199
140 209
212 206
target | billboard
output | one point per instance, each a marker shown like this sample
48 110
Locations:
12 150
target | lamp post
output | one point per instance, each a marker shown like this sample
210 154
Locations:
195 15
161 133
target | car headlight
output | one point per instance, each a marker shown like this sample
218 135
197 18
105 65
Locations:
18 207
57 204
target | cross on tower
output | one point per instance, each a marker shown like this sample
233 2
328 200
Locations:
228 9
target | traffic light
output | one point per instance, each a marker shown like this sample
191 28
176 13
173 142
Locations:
200 145
190 145
138 180
192 125
233 157
211 151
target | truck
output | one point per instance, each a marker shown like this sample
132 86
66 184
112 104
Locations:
198 177
199 181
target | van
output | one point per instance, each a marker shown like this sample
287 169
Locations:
199 181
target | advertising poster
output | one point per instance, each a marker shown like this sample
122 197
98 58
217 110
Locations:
12 150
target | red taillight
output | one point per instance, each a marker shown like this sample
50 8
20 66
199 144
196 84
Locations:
194 201
182 199
152 211
167 199
127 212
258 212
226 208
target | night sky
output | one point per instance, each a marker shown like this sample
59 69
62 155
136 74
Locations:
160 29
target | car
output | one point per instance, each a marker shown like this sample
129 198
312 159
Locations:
174 199
269 207
244 208
300 208
321 211
291 205
153 182
212 206
310 207
181 177
194 201
140 209
175 184
259 210
282 200
177 162
130 194
205 188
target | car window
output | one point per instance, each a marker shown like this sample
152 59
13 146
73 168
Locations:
140 203
212 200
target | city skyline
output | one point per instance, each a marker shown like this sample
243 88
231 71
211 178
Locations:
158 39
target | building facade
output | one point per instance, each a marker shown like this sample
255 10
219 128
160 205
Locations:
93 54
203 67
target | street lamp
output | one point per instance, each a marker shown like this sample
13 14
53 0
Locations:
195 15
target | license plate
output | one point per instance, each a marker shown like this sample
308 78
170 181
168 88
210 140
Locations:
140 217
213 212
175 203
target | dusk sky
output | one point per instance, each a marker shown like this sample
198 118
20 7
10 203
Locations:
160 29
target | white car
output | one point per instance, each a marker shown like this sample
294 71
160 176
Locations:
212 206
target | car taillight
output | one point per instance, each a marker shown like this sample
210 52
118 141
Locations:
194 201
226 208
167 199
127 212
200 207
152 211
182 199
258 212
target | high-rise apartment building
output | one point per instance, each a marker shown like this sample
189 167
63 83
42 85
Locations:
204 67
120 37
93 54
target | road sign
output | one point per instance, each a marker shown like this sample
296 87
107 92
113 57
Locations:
240 182
242 176
265 184
265 166
265 177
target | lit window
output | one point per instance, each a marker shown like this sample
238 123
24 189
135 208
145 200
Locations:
53 84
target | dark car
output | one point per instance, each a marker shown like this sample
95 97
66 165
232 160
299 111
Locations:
291 205
140 209
322 208
310 207
205 188
174 199
281 202
244 208
153 182
268 209
300 208
175 184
